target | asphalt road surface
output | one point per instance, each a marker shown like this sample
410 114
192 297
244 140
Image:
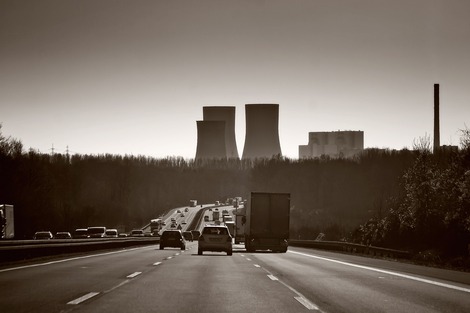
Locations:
147 279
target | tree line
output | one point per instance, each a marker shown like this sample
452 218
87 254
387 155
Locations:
408 199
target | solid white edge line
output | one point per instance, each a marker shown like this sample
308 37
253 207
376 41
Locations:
423 280
134 274
84 298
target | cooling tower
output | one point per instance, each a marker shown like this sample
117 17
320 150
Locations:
262 131
226 114
211 140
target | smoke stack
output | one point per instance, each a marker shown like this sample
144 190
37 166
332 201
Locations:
226 114
262 131
437 143
211 140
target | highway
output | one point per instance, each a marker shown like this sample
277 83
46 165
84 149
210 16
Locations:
147 279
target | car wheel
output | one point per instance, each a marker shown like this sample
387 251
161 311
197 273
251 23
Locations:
161 247
229 252
199 251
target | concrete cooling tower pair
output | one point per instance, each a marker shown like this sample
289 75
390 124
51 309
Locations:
216 133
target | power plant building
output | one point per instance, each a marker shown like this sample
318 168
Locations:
262 131
226 114
333 144
211 140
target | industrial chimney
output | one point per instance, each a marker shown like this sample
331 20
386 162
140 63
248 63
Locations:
262 131
437 143
226 114
211 140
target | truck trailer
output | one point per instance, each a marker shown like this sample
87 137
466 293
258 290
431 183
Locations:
7 221
267 222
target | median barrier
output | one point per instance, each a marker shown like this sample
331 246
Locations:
28 249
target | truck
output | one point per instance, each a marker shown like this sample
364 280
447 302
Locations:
192 203
215 215
240 221
267 222
155 225
7 222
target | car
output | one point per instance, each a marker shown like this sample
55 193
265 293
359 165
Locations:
182 215
62 235
215 238
113 233
206 218
137 233
172 238
42 235
186 210
188 235
80 233
178 211
196 234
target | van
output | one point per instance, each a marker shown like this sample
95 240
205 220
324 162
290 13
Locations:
96 231
113 233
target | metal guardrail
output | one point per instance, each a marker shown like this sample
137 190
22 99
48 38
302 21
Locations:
11 251
351 248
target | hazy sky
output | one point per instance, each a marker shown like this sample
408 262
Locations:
131 77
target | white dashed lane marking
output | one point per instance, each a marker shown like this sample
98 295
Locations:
84 298
272 277
256 265
134 275
157 263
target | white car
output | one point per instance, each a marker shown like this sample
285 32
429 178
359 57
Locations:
215 238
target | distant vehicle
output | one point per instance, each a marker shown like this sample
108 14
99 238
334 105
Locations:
215 238
62 235
217 203
42 235
173 225
172 238
178 211
155 225
137 233
227 218
96 231
188 235
186 210
182 215
215 215
196 234
173 219
231 227
183 222
206 218
267 225
192 203
112 233
224 212
80 233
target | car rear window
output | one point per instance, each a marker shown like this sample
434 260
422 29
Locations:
215 231
171 234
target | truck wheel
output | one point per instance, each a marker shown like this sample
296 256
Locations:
199 251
